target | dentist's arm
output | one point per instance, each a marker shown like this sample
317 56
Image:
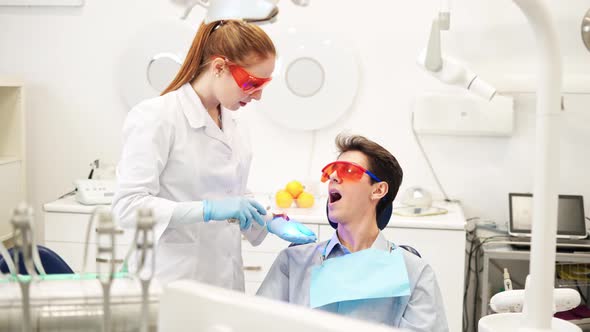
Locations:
245 210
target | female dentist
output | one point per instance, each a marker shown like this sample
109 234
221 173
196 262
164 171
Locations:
187 160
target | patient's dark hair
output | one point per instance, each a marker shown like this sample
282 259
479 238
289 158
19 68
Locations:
381 163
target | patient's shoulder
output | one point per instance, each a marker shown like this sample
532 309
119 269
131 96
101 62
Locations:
417 267
409 255
413 260
304 251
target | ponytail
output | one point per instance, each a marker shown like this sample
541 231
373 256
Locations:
191 67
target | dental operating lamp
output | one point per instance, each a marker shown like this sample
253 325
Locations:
447 69
255 11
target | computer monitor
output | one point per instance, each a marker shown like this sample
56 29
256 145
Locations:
571 222
191 306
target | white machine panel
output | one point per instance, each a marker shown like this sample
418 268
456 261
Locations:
440 114
94 192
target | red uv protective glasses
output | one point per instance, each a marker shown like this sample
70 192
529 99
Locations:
246 81
346 171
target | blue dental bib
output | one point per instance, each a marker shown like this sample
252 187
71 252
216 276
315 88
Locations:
367 274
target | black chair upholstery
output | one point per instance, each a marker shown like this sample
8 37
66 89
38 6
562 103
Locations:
52 263
410 249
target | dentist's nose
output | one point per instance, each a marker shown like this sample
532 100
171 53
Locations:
256 95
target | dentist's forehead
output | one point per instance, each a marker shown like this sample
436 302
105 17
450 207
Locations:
263 68
356 157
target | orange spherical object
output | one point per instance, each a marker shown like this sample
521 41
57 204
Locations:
295 188
305 200
283 199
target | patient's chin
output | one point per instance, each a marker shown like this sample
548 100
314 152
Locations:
333 216
336 217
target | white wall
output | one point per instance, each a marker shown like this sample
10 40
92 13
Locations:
497 43
67 58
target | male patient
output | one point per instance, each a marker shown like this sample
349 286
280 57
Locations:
359 273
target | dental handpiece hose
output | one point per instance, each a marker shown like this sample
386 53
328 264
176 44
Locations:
507 281
24 245
145 230
106 230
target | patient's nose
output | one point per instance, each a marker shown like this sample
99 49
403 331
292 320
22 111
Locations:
335 178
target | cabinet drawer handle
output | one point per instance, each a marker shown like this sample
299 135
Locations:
104 260
116 231
252 268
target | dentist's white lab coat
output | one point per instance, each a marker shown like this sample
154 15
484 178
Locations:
173 152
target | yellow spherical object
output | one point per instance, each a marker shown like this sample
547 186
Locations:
283 199
295 188
305 200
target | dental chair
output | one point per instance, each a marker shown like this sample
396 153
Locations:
51 261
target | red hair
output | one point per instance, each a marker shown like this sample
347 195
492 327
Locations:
241 42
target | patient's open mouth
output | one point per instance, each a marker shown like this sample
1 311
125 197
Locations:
335 196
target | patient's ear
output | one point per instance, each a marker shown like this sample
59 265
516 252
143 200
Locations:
379 191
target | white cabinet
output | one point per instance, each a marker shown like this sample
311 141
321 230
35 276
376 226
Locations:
73 254
12 152
439 239
66 222
257 264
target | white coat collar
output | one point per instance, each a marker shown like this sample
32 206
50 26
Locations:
192 107
197 115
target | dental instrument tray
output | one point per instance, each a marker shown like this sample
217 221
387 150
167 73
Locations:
413 211
74 303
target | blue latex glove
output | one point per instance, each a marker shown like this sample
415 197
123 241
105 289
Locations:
243 209
290 230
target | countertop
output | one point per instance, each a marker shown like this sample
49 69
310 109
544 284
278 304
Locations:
452 220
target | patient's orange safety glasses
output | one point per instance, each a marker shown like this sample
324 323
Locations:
346 171
246 81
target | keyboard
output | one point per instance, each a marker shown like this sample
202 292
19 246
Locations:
572 243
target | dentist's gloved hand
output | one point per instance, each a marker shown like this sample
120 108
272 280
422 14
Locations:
243 209
290 230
